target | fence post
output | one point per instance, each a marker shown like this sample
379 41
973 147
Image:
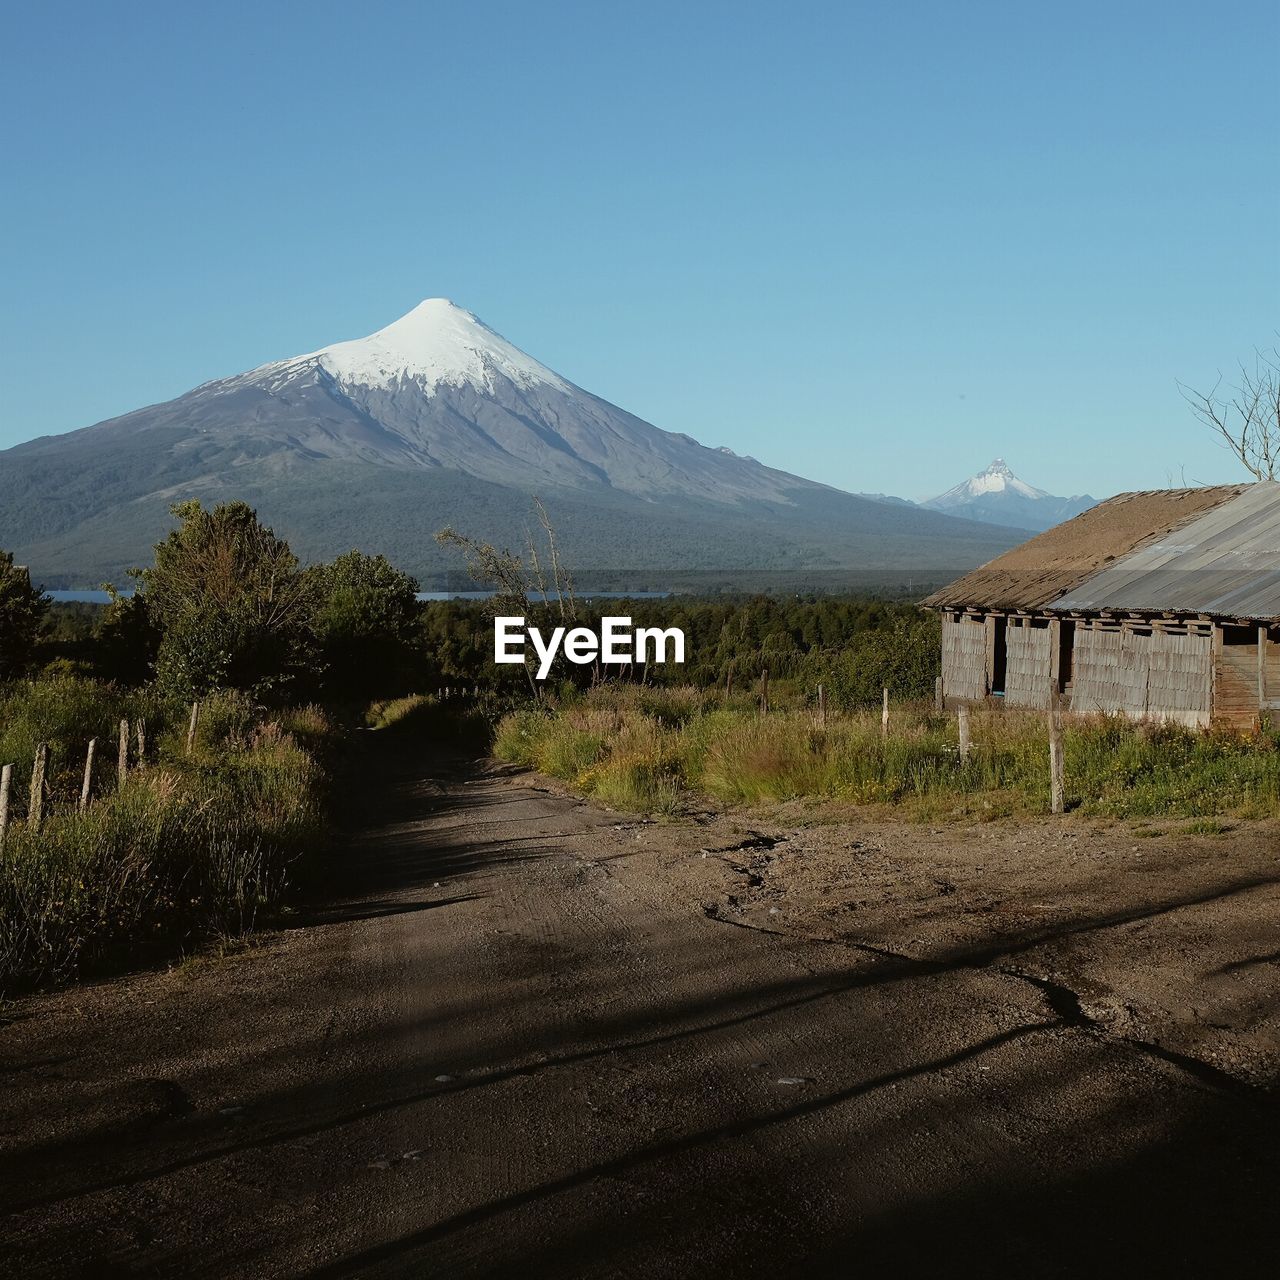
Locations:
965 743
822 706
939 702
884 716
6 781
764 692
191 728
122 758
142 741
35 807
87 785
1056 770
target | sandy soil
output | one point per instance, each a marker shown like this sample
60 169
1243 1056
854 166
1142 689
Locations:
536 1037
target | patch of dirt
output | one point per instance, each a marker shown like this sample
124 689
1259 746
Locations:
1168 937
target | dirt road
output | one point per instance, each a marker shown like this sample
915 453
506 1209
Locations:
546 1040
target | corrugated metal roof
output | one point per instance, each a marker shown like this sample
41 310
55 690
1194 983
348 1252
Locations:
1063 558
1225 563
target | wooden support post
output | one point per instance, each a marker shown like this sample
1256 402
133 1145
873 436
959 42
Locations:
6 783
764 692
728 682
191 728
965 743
939 702
87 785
822 706
884 716
35 806
142 741
122 757
1056 772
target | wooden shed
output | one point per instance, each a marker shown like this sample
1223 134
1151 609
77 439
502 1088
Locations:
1160 605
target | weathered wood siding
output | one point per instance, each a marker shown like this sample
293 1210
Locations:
964 659
1180 678
1235 686
1028 660
1109 673
1156 674
1272 667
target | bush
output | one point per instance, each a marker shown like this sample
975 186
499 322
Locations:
191 847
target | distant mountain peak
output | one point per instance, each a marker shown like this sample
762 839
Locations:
437 343
998 496
997 478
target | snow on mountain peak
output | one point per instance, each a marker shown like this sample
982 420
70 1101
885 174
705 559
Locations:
437 342
997 495
997 478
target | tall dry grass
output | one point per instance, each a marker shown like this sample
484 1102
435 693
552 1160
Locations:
644 749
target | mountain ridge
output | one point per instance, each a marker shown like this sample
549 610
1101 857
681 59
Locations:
437 419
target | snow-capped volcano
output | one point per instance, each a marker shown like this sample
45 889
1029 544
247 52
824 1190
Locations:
997 478
435 420
436 343
997 496
438 388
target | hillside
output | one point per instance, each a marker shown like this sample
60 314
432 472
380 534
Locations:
437 420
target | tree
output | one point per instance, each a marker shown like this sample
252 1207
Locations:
1247 416
366 623
232 606
22 614
128 639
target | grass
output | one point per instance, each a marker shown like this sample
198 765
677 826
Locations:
392 711
647 749
190 848
1208 827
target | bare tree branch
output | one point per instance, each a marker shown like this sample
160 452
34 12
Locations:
1247 422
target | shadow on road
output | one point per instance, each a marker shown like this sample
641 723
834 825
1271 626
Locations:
624 1105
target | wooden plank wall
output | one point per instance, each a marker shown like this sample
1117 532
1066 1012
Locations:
1235 685
1028 666
1180 678
964 659
1159 675
1109 673
1272 664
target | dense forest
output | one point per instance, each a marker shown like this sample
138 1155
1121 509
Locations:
227 605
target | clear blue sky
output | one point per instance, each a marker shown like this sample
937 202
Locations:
875 244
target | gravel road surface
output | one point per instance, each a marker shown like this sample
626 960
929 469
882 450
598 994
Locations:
535 1038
